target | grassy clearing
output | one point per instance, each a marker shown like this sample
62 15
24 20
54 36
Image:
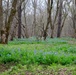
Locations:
39 57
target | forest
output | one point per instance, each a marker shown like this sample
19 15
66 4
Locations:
37 37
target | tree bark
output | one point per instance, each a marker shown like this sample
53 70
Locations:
10 19
49 21
59 19
19 20
26 31
1 18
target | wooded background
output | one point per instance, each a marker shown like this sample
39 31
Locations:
39 18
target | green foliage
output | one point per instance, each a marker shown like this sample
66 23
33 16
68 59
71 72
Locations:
34 56
31 51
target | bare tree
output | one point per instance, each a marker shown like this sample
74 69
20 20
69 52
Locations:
19 19
60 18
1 16
53 22
10 19
49 20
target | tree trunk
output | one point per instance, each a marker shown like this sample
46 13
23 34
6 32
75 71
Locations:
19 20
52 32
26 31
34 22
49 22
10 19
45 34
59 19
1 18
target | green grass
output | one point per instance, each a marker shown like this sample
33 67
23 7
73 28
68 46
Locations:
32 53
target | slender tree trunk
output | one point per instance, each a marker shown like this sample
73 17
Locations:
34 22
55 19
51 25
49 21
52 32
45 34
26 31
45 30
19 20
59 19
1 18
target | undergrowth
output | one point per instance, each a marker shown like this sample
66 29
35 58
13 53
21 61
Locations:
40 52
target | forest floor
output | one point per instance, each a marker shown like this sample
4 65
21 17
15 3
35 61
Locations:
33 57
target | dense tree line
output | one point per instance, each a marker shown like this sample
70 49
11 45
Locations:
39 18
